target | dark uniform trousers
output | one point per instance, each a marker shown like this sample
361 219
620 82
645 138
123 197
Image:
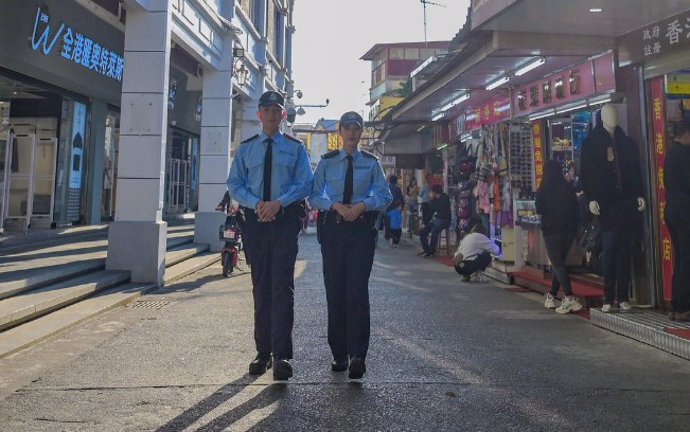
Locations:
347 249
272 248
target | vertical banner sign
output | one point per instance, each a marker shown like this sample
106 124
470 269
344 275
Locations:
538 141
659 144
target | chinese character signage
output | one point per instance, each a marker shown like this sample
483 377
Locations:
663 37
538 142
658 122
74 46
585 80
493 112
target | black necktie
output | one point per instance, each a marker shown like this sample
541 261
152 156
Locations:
347 193
268 162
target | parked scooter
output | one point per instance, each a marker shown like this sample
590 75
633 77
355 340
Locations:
231 233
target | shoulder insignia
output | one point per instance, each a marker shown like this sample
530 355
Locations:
291 138
369 154
250 139
330 154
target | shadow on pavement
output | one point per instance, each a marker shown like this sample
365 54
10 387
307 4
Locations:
220 396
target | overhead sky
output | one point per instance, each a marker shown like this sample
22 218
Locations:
331 36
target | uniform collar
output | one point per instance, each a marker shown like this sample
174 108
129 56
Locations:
343 154
263 137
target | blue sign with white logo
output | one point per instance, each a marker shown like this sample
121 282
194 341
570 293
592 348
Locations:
76 47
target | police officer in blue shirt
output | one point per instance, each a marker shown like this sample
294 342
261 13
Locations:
270 177
349 190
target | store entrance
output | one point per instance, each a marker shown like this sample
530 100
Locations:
182 168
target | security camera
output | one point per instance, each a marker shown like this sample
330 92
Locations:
299 94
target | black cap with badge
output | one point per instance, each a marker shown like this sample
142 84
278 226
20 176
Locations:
271 98
351 117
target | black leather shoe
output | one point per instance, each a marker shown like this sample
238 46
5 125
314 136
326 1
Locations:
259 365
282 370
357 368
339 365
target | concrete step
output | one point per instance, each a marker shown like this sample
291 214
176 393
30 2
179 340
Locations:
50 235
24 307
650 327
190 266
177 255
39 268
17 282
33 332
179 238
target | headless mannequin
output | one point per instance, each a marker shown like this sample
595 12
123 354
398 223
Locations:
609 119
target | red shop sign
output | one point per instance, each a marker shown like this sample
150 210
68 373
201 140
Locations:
585 80
538 141
489 113
659 144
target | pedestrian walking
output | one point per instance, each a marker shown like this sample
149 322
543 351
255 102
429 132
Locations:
474 252
349 190
558 206
677 218
393 217
439 207
270 177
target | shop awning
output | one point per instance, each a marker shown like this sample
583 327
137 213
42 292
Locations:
608 18
488 57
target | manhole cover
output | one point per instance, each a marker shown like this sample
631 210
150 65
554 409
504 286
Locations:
149 304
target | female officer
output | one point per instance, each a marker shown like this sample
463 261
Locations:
349 190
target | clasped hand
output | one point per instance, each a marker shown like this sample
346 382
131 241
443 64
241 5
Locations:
349 212
266 211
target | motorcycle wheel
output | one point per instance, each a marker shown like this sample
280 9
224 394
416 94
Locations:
227 264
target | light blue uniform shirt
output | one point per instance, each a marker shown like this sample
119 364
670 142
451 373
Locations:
291 175
369 182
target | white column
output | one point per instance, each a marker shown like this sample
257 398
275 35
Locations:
137 238
216 122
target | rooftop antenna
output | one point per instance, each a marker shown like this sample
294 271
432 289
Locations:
426 2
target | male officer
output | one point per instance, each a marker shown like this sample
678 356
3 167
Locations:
349 190
270 177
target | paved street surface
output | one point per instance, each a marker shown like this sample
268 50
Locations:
445 356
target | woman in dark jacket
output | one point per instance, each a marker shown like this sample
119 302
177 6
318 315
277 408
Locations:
558 207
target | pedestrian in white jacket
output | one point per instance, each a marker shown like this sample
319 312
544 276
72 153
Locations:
474 253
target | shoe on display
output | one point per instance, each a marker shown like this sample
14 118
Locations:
625 306
606 308
569 304
357 368
282 370
339 365
259 365
550 302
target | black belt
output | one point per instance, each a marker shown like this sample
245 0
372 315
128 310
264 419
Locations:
331 217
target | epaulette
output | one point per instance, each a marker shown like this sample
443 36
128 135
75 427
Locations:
291 138
330 154
369 154
250 139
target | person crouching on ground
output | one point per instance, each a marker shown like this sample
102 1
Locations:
439 206
557 204
474 253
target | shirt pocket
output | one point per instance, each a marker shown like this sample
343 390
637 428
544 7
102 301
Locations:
255 171
361 181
